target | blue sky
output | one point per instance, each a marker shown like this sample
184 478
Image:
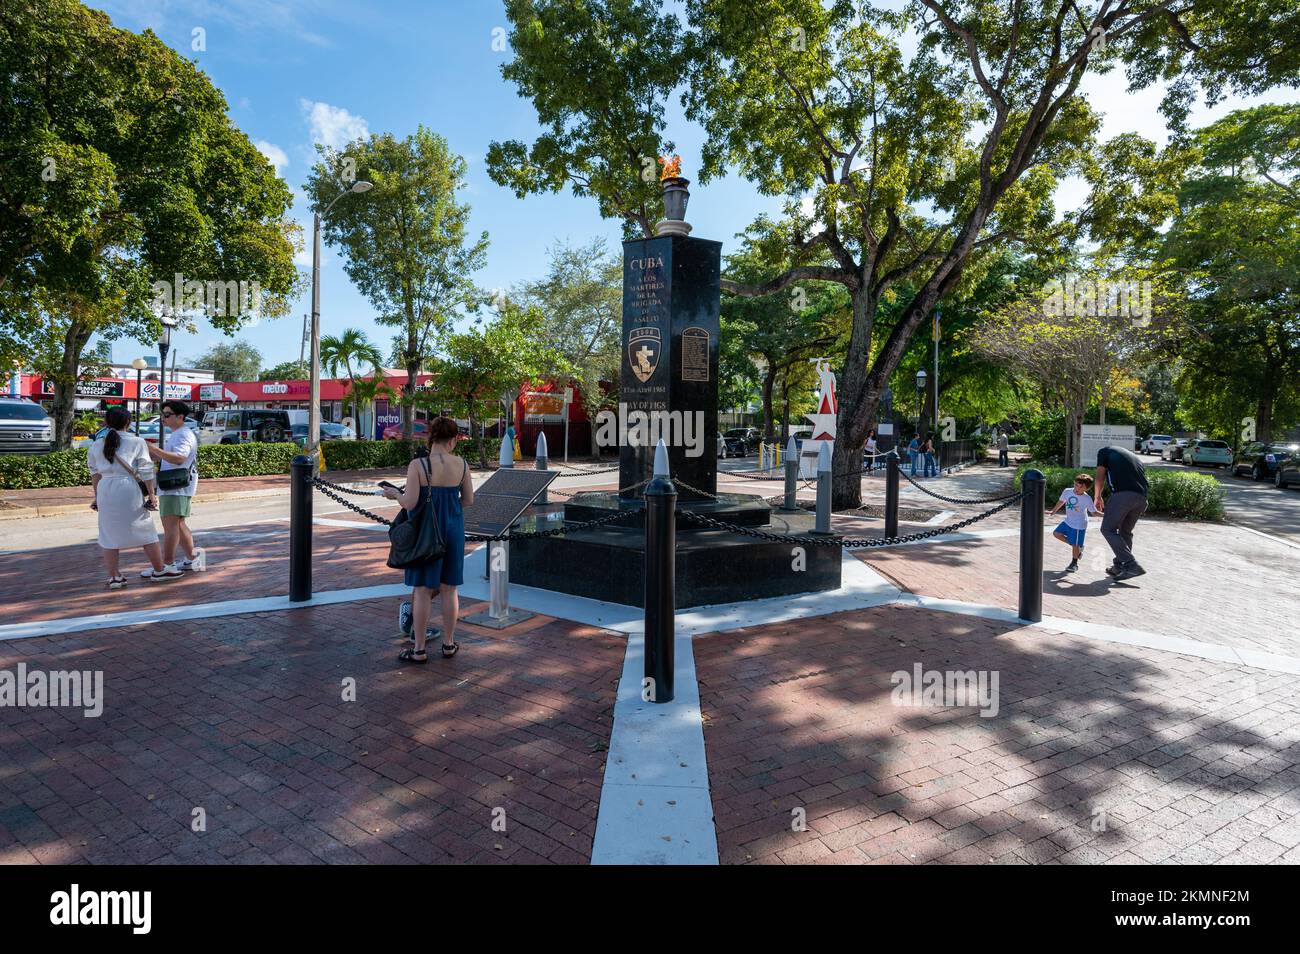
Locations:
296 72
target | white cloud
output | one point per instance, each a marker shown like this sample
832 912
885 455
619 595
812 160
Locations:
274 155
333 126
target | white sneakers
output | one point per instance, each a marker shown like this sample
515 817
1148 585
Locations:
176 570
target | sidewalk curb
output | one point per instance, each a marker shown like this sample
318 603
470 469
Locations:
18 513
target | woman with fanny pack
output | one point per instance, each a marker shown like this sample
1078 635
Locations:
122 478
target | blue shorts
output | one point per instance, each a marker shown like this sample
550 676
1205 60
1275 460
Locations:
1072 536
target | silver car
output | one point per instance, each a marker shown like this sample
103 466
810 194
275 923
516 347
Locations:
25 428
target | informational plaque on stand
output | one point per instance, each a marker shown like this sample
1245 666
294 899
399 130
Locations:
503 497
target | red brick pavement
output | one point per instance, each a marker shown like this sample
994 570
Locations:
245 563
1190 760
242 716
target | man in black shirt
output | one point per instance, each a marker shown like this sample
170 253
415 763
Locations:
1120 469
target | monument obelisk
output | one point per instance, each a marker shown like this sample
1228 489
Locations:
671 289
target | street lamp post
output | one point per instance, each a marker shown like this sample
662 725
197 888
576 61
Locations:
313 415
920 401
164 345
139 364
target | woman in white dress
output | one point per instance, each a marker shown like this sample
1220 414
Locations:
117 461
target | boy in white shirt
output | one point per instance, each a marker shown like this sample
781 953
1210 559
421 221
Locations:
1077 501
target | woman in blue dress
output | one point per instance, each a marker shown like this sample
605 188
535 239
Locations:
445 479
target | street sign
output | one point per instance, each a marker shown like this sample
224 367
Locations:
503 497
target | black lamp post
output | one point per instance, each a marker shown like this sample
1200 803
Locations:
920 401
164 345
139 364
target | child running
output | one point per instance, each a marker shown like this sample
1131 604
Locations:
1077 501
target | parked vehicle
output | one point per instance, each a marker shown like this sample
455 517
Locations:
245 425
25 428
1287 470
752 436
1155 443
329 431
1214 453
1174 449
419 431
1260 460
731 446
800 434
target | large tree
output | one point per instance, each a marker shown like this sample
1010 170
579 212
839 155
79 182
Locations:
489 358
236 361
119 168
407 242
580 301
913 164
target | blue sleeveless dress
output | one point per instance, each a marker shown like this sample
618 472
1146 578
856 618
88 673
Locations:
449 570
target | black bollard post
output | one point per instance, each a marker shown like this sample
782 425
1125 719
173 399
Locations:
1034 486
660 581
300 491
891 494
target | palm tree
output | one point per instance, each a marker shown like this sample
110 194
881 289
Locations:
349 348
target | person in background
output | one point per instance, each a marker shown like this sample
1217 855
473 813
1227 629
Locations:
871 450
180 451
444 480
1004 447
1120 469
119 464
914 451
931 462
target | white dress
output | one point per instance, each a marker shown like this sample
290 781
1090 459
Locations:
123 521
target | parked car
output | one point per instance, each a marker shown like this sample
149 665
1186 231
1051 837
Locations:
244 425
1174 449
148 430
1287 469
1260 460
25 428
1155 443
731 446
329 431
1215 453
800 434
752 436
419 431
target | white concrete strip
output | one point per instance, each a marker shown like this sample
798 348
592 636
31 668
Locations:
1267 536
860 587
170 614
355 524
655 807
940 517
1114 634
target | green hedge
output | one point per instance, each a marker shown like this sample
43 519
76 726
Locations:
1174 493
67 468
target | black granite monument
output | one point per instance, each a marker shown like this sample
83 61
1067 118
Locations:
669 388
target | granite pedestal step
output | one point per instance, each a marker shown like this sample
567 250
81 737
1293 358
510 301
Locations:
713 566
744 510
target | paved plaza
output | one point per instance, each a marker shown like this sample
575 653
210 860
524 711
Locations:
1149 722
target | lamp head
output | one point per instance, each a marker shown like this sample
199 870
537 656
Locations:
361 185
139 364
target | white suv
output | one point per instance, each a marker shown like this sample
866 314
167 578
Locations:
1155 444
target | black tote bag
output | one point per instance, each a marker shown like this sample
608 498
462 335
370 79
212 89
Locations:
415 538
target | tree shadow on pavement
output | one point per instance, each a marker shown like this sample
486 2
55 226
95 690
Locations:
1097 752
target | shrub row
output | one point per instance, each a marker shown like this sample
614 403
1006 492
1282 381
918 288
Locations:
1174 493
67 468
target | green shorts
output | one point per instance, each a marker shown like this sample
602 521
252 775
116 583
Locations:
174 505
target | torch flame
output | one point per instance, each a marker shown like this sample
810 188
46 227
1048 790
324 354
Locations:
672 167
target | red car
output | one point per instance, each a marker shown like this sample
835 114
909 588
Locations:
419 431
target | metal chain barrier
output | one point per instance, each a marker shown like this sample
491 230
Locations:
830 540
339 488
583 473
329 489
775 473
958 500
